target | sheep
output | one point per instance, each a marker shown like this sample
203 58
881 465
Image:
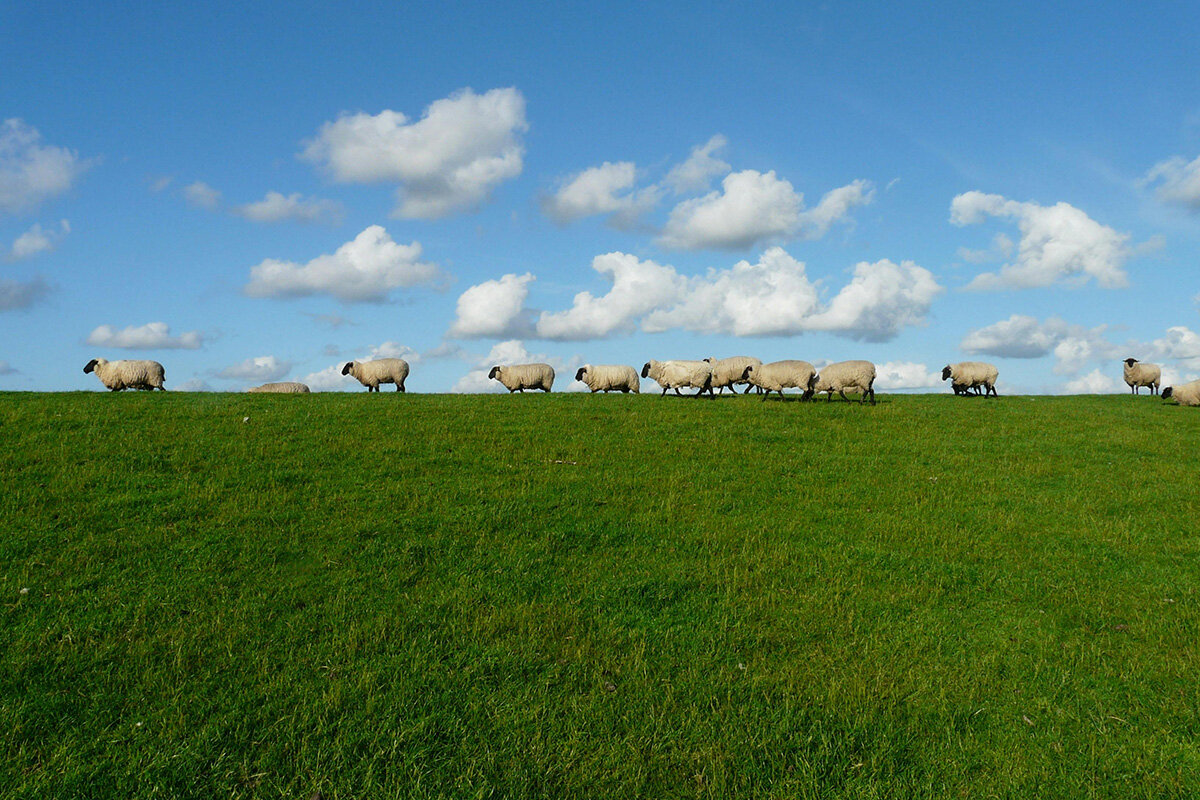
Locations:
288 387
519 377
1138 374
609 377
854 375
967 375
1186 395
118 375
382 370
780 375
674 374
729 371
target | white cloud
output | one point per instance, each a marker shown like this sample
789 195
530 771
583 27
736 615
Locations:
772 297
451 159
193 385
1095 382
365 269
37 240
261 368
906 375
275 207
1021 336
701 166
392 349
15 295
1178 182
606 189
201 195
160 183
30 172
513 351
638 287
882 298
1059 244
151 336
1179 343
754 207
493 308
1001 248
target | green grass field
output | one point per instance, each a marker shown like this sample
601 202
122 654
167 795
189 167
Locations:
598 596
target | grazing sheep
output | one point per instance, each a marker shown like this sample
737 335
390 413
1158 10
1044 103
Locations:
519 377
287 387
674 374
118 375
382 370
730 371
1138 374
1186 395
854 375
609 378
967 375
780 375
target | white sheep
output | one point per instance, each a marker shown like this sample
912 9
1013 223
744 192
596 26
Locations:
118 375
967 375
1138 374
780 375
1186 395
382 370
519 377
609 378
287 387
676 374
854 375
729 372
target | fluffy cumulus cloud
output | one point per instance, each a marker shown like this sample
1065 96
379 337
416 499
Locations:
276 207
1177 182
606 189
695 174
201 195
770 297
151 336
638 287
1180 344
879 301
1095 382
259 369
493 308
906 375
16 295
514 352
1059 244
32 172
754 207
38 240
366 269
451 159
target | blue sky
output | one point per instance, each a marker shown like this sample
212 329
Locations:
252 194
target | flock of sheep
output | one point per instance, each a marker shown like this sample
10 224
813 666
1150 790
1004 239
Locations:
711 375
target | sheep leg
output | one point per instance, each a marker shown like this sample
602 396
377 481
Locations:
842 392
664 394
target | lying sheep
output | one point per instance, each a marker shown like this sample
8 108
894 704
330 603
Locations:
967 375
1138 374
118 375
609 378
730 371
519 377
1186 395
382 370
857 376
287 387
676 374
780 375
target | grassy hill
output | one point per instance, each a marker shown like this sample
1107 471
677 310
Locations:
569 595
